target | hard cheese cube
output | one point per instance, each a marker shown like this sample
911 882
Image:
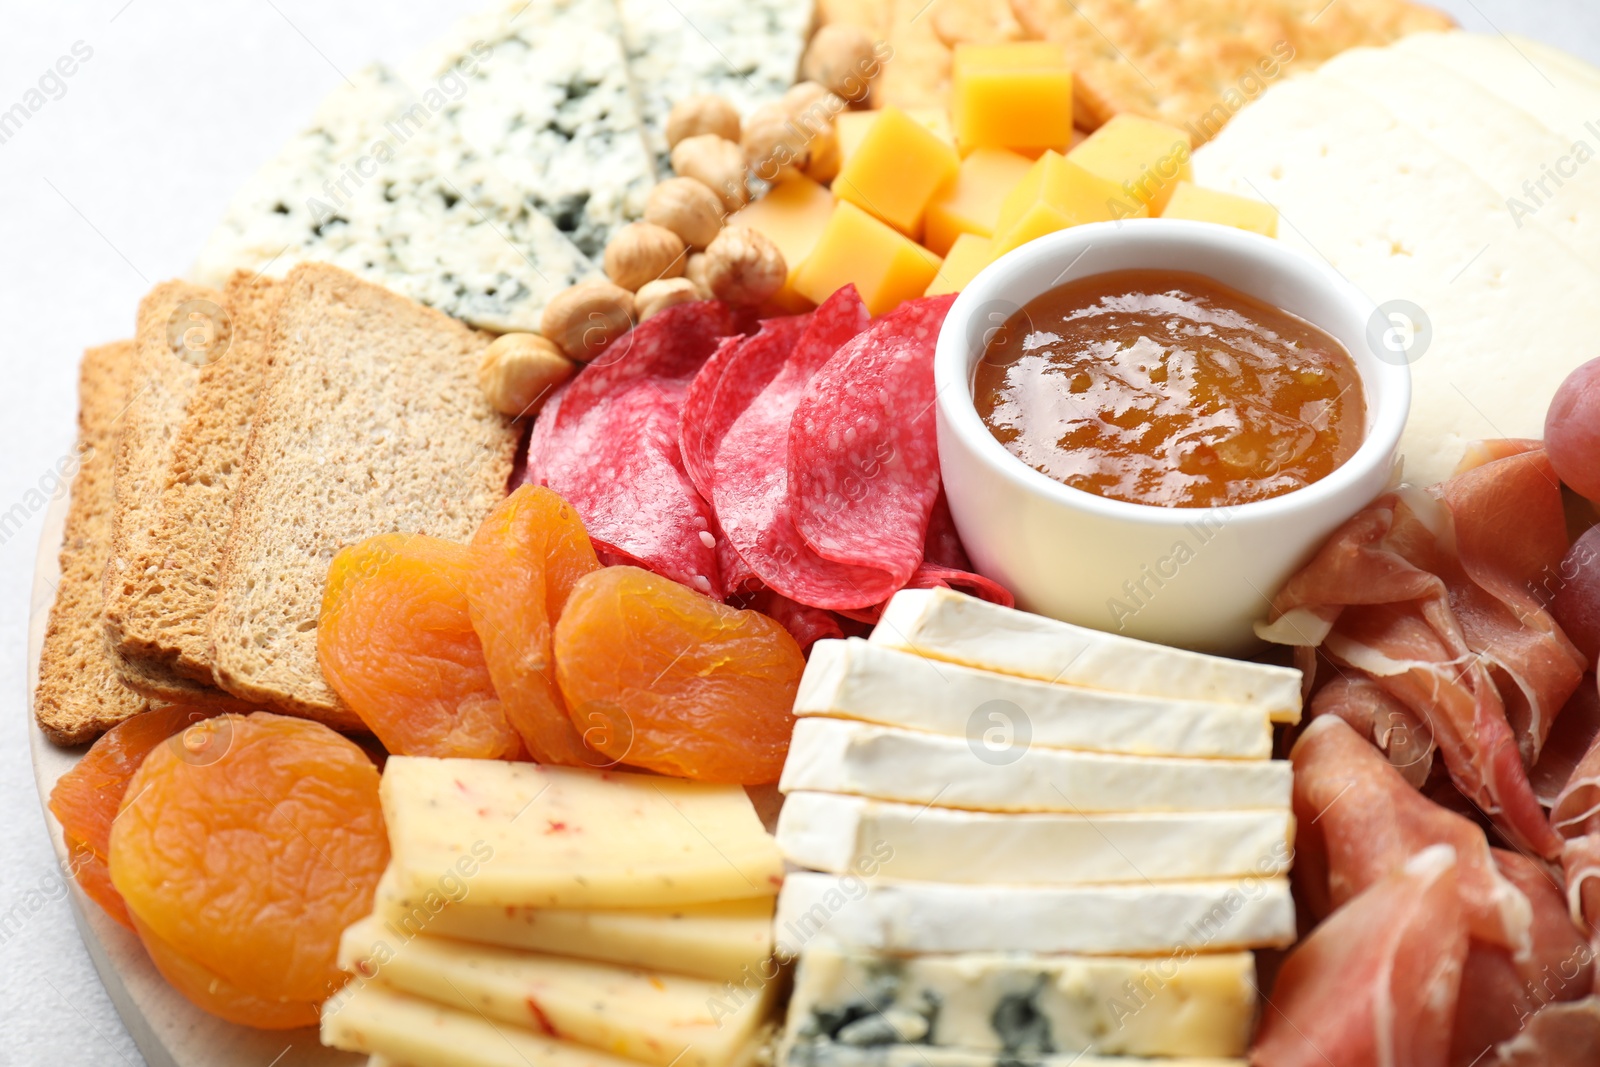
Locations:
896 169
1147 158
1016 95
1057 193
970 202
851 126
1190 201
967 257
793 213
885 266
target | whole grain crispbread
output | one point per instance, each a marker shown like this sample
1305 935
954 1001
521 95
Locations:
371 421
79 694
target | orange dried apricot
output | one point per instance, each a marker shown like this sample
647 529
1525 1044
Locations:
242 867
662 677
525 559
396 643
85 799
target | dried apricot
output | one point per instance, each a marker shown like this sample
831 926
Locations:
525 559
396 643
85 799
242 868
659 676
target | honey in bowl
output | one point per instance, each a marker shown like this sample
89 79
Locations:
1169 388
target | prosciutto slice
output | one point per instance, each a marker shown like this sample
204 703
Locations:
1560 1035
1375 985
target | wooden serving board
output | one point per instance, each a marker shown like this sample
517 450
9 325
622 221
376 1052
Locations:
169 1031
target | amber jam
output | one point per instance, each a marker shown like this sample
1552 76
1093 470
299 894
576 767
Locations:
1168 388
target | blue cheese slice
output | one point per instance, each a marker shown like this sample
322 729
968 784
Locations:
747 51
832 1054
552 107
1023 1005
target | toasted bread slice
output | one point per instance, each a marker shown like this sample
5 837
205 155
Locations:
171 586
371 422
79 694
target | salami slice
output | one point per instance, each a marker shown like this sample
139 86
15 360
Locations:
805 624
734 376
862 455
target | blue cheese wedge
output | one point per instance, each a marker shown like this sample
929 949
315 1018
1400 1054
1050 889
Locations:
747 51
553 109
832 1054
1022 1005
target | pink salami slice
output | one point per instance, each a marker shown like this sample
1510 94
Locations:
805 624
734 376
862 456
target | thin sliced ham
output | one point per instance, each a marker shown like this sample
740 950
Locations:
1560 1035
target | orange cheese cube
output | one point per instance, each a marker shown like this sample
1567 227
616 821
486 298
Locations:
793 214
1057 193
1016 95
851 126
885 266
967 257
1190 201
970 202
1147 158
896 169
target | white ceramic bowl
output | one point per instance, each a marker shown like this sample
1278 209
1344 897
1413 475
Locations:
1192 577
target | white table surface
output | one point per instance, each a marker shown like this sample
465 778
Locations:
111 188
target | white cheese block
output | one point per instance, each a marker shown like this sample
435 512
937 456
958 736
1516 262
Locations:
887 763
923 917
369 1017
649 1016
946 625
906 1055
544 836
746 51
551 105
840 834
1021 1004
720 941
877 683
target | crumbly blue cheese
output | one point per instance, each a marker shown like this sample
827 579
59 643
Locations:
552 107
1022 1005
747 51
833 1054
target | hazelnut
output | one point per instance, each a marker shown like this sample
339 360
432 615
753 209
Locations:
584 319
715 162
642 252
825 157
707 113
812 107
687 208
519 372
743 266
774 144
843 59
660 295
696 269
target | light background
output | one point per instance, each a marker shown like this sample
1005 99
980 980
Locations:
112 188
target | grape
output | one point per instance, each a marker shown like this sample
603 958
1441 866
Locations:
1572 430
1576 604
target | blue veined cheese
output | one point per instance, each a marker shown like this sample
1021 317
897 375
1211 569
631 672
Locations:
747 51
906 1055
1023 1005
552 108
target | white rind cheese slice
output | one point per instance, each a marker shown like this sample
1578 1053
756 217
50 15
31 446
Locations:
648 1016
522 834
886 763
746 51
947 625
877 683
905 1055
929 917
553 108
840 834
720 941
1022 1004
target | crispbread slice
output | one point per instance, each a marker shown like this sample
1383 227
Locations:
79 695
371 422
170 587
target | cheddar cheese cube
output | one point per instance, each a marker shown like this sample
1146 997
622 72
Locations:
851 126
1190 201
884 265
792 214
967 257
896 169
1016 95
970 202
1147 158
1057 193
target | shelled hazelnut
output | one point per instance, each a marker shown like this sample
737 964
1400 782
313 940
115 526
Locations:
641 252
716 163
688 208
743 266
519 372
668 292
706 113
843 58
582 320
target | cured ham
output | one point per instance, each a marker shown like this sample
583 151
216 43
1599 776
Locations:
1376 984
1561 1035
1429 596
